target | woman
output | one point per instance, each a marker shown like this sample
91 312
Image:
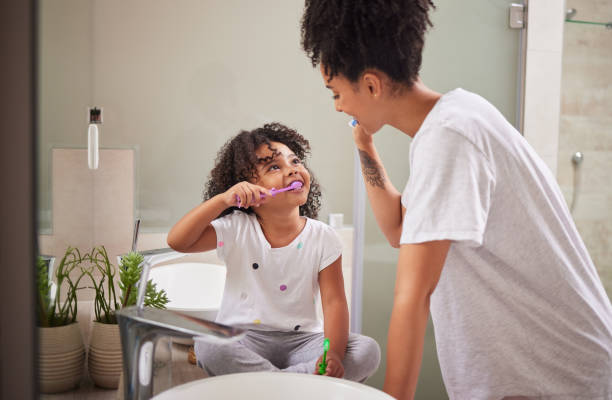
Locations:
486 240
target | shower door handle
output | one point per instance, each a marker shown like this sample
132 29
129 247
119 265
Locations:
516 19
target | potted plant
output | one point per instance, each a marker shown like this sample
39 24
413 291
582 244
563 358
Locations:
105 359
61 353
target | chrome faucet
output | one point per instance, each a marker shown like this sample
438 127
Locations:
141 327
135 234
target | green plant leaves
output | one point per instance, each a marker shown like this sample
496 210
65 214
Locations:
101 272
155 298
43 304
129 273
52 312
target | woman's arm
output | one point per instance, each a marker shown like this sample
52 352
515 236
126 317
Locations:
418 272
336 317
384 198
193 233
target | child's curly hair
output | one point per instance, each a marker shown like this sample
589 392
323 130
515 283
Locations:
237 162
349 36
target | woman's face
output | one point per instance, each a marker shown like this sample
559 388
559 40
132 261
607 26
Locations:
354 99
280 167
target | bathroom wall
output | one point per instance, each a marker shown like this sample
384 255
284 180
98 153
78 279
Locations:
586 126
63 89
175 81
90 207
543 78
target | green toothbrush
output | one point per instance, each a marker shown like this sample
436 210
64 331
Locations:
323 364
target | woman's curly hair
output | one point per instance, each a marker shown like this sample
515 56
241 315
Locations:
237 162
349 36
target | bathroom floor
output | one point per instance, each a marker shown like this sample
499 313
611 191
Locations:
182 372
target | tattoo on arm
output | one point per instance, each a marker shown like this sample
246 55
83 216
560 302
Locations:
372 172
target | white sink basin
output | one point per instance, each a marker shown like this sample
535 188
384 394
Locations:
193 288
273 386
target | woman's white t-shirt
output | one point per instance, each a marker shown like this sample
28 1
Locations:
519 308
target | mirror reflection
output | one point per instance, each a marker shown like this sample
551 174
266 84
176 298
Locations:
137 103
168 85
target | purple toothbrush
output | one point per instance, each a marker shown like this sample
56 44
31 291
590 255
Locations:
294 185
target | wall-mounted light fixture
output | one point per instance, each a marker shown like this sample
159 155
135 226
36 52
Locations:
93 154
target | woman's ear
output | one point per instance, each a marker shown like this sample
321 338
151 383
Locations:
373 83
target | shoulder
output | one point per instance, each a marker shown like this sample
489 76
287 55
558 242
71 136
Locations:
319 227
324 233
469 114
460 121
327 243
453 110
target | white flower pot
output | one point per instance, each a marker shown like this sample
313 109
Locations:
61 358
105 360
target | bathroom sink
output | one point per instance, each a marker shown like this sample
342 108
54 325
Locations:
193 288
273 386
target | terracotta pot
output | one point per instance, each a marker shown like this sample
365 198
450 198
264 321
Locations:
61 358
121 389
105 360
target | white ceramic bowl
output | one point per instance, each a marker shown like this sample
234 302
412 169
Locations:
273 386
193 288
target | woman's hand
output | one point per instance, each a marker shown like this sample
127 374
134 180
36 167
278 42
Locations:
334 365
245 195
361 137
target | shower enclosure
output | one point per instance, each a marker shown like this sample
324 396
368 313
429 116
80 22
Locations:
585 135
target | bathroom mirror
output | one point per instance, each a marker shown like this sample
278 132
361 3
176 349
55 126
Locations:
175 80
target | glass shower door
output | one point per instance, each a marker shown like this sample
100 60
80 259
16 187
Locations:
585 129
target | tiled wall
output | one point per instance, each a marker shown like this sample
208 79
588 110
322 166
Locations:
542 78
90 207
586 126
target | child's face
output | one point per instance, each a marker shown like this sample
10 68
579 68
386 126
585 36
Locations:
281 167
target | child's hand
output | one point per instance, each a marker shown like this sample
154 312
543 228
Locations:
334 365
245 195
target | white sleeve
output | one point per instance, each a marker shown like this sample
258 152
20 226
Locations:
226 229
332 247
449 190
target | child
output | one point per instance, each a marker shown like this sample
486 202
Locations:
485 237
277 257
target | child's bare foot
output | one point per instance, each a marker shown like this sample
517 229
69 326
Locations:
191 357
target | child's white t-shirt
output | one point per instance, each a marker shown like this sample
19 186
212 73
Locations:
269 288
519 308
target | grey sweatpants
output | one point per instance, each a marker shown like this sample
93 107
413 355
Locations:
287 352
